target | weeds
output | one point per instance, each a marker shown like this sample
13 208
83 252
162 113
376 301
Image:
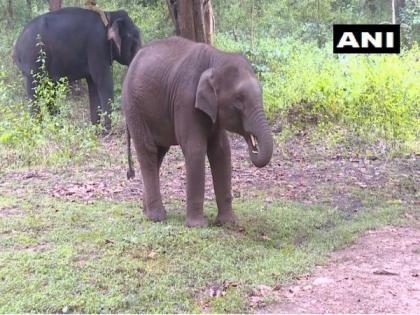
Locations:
371 98
50 135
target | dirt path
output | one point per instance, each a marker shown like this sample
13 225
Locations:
379 273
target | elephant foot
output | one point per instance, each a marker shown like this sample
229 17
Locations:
227 219
155 215
200 221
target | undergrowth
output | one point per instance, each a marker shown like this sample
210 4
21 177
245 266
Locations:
42 131
370 97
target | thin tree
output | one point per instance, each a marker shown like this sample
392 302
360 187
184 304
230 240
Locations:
193 19
29 6
9 16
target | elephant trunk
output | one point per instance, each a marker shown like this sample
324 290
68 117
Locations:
259 139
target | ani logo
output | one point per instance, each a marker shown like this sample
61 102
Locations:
366 39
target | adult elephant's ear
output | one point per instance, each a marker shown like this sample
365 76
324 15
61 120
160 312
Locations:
114 34
206 97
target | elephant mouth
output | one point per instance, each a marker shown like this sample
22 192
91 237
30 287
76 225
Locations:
252 143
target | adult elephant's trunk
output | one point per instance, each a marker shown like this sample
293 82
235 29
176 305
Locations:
259 139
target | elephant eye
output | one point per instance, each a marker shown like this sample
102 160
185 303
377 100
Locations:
237 105
239 97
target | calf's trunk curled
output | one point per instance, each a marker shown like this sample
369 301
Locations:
259 139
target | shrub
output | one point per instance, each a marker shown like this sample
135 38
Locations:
50 136
373 96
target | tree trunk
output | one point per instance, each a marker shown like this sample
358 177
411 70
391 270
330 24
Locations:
394 15
399 7
55 4
209 21
193 19
9 17
29 6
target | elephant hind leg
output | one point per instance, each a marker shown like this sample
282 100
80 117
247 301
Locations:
150 158
152 199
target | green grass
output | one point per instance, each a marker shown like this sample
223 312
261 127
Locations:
59 256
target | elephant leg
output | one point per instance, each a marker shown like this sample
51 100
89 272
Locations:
161 154
105 88
93 101
149 156
106 96
30 87
152 199
30 92
218 152
195 165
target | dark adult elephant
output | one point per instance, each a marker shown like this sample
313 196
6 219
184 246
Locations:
180 92
79 45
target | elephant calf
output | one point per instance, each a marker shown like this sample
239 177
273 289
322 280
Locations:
178 92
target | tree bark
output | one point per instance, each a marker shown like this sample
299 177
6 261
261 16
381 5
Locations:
209 21
55 4
9 13
29 6
193 19
200 32
399 6
394 15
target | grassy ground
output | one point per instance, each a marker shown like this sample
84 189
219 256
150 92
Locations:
102 256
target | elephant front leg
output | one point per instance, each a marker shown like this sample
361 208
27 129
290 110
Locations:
195 165
101 75
30 91
93 101
221 169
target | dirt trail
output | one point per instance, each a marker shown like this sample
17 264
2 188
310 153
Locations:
379 273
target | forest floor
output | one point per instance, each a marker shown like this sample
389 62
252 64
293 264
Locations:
342 196
298 171
378 273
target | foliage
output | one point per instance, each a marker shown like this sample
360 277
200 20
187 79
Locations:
376 97
363 98
49 135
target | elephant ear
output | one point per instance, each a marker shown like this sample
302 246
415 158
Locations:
114 34
206 97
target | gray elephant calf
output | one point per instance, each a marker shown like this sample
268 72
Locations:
180 92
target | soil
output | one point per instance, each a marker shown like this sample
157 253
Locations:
298 171
379 273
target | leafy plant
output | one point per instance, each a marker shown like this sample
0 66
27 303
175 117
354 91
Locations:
50 134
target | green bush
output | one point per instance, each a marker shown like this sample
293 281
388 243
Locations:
51 135
373 96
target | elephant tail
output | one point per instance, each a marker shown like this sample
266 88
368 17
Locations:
130 173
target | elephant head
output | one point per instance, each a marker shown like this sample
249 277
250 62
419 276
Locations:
230 94
125 37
